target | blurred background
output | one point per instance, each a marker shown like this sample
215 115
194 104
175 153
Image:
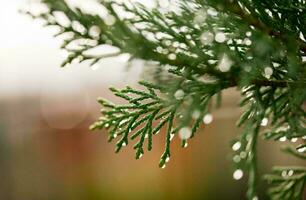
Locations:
47 151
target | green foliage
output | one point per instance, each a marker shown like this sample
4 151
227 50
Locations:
200 48
289 183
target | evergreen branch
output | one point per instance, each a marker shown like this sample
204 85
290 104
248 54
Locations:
235 8
136 119
201 48
288 183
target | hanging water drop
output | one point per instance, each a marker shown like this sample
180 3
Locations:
236 146
179 94
171 136
207 38
248 34
284 173
220 37
172 56
95 67
243 154
247 42
94 31
255 198
212 12
302 150
225 63
196 114
110 20
264 122
283 139
294 140
200 17
238 174
268 72
208 118
236 159
185 133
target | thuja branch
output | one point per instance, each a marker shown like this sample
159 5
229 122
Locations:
235 8
199 48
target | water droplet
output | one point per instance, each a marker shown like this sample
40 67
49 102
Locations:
208 118
212 12
290 172
124 144
167 42
185 133
185 145
164 166
179 94
247 68
238 174
95 66
236 159
167 159
302 150
165 51
220 37
248 34
264 122
207 38
159 50
115 135
172 56
243 154
255 198
110 20
284 173
94 31
294 139
247 42
146 136
268 72
176 44
196 114
171 136
225 63
140 156
283 139
236 146
200 16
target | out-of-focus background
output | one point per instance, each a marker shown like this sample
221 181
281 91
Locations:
47 151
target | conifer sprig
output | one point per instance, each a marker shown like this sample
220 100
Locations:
202 47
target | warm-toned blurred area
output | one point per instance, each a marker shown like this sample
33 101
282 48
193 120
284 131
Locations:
47 151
